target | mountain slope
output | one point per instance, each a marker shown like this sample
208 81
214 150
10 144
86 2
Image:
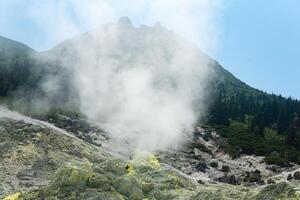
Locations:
13 48
41 161
15 65
40 82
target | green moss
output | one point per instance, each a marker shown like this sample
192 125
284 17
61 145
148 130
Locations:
225 192
112 168
279 191
129 186
173 180
100 181
73 174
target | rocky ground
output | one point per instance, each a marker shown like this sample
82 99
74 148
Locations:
70 158
203 158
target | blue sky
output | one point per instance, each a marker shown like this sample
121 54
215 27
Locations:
258 40
260 44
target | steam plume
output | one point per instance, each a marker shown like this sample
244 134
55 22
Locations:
141 84
145 85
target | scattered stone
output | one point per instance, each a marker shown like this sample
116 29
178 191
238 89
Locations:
289 177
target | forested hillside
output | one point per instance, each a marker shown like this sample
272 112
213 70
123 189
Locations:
256 122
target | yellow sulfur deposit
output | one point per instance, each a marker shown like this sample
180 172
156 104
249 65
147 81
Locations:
146 159
152 160
13 196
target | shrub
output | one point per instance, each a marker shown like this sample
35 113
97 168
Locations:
275 159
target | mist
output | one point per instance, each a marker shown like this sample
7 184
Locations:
145 85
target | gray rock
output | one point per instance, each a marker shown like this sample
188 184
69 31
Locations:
214 164
229 179
201 166
253 176
225 168
297 175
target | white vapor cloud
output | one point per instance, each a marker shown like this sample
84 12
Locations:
140 83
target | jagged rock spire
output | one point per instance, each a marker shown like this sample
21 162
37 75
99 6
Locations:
124 21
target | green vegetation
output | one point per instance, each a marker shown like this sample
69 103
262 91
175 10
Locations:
242 140
255 122
275 159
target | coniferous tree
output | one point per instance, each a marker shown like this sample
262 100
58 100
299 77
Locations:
293 133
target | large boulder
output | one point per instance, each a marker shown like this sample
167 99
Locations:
297 175
225 168
252 176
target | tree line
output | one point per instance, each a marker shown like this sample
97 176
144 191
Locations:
258 123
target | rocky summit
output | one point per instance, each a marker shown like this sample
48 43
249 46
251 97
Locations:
41 161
